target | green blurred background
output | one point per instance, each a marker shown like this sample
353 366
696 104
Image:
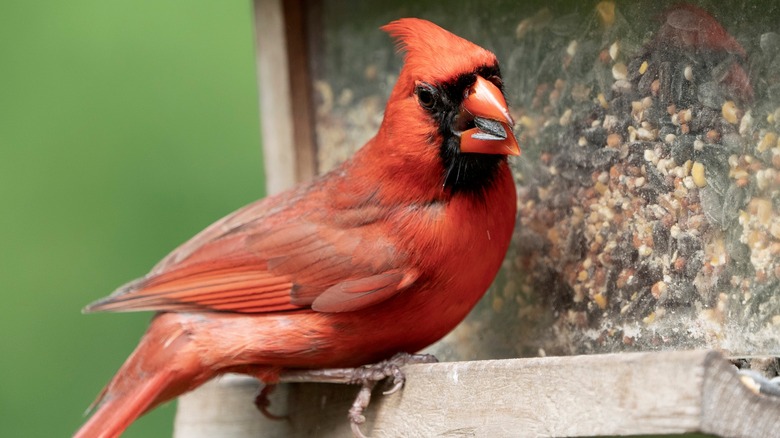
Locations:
125 128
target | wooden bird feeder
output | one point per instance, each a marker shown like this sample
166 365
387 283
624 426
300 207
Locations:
646 260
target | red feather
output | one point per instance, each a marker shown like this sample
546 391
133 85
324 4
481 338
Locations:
376 257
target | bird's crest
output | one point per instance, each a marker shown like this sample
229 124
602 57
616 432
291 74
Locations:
433 54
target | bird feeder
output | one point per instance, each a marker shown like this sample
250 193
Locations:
646 256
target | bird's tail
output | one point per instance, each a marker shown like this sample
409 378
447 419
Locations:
162 367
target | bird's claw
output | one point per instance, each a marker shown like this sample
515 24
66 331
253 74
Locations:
262 402
398 383
367 376
356 417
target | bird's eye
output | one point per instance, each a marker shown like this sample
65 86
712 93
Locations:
426 95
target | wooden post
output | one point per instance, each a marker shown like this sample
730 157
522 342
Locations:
285 101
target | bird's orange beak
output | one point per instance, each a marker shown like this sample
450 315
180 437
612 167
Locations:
493 134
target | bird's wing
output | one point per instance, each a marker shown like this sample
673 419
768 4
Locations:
252 263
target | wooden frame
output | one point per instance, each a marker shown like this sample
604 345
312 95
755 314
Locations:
285 103
667 393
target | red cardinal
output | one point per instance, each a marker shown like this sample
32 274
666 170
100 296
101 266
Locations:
385 254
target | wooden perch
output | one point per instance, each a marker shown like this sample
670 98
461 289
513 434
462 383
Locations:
669 393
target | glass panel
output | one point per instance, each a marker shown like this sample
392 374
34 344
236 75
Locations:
648 185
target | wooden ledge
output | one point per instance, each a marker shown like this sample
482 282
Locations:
667 393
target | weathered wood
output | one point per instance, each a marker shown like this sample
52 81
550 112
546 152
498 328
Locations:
731 409
224 408
668 393
298 56
285 100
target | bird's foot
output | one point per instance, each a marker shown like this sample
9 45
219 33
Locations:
367 376
262 402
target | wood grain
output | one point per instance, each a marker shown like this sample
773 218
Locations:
669 393
285 101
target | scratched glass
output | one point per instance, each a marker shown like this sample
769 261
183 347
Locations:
649 215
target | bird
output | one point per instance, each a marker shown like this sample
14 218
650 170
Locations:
384 254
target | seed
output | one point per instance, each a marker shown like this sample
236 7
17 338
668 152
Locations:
643 68
554 96
776 115
614 140
655 86
763 179
768 141
697 172
631 134
606 11
614 49
619 71
688 73
610 122
587 264
603 101
659 289
730 112
571 50
651 156
679 264
740 174
565 118
774 230
763 210
685 116
746 125
646 134
600 300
